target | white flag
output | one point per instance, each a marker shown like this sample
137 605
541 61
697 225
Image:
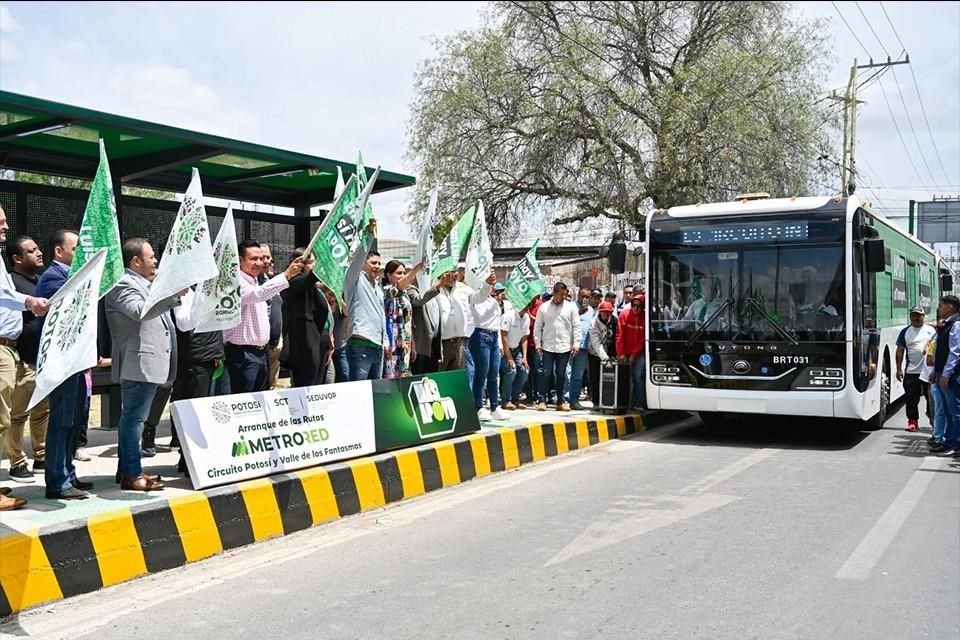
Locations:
425 244
217 301
338 188
479 255
68 343
188 258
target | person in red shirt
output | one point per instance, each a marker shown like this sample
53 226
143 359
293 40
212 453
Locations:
631 335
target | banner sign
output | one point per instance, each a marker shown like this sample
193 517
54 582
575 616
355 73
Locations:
416 409
249 435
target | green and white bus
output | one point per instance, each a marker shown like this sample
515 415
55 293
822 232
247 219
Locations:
781 306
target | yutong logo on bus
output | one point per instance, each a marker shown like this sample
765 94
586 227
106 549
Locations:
434 414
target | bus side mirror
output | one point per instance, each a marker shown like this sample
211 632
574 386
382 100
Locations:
946 282
874 258
617 253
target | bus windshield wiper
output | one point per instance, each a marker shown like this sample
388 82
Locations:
753 302
716 314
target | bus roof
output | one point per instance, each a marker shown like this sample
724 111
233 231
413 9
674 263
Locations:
765 205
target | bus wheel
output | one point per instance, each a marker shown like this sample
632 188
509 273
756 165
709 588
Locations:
877 421
712 419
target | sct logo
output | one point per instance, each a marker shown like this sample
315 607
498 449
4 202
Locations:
435 415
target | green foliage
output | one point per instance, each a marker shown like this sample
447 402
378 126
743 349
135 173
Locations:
586 109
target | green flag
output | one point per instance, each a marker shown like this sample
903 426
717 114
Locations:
525 281
362 183
449 252
339 235
99 228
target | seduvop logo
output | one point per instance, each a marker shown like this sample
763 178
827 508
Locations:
434 414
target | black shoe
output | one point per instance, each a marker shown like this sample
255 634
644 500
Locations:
67 494
39 466
938 447
80 484
21 473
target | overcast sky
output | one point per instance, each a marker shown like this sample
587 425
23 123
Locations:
331 78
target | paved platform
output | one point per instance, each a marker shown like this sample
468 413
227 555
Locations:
55 548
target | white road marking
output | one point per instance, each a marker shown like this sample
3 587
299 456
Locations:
86 613
865 557
643 514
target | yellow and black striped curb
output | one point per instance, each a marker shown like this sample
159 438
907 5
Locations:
84 555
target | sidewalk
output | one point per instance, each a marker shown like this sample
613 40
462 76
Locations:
54 548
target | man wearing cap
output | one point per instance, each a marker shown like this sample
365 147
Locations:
557 332
912 342
603 341
631 335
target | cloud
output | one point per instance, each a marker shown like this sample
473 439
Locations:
7 22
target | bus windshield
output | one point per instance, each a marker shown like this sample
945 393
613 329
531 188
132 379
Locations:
747 289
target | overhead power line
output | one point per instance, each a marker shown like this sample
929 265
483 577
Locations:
916 86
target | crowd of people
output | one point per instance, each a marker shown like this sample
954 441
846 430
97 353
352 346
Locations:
549 352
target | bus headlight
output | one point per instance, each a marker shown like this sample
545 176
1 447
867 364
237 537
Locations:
667 373
819 379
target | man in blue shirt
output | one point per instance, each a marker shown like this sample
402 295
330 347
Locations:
12 305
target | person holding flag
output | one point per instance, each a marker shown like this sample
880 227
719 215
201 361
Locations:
245 347
12 306
366 319
69 403
144 355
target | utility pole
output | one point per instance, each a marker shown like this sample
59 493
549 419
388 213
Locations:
848 164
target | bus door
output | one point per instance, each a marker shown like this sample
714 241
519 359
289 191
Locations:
912 284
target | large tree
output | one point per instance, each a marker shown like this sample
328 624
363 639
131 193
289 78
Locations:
577 110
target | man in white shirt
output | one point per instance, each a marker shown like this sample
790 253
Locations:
558 335
912 341
456 318
514 367
485 349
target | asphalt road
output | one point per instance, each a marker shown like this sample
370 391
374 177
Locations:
772 529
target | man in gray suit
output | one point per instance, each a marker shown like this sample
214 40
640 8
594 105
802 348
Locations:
144 355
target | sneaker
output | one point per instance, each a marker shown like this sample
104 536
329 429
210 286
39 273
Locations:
542 406
148 452
81 455
499 414
576 407
563 407
912 425
21 473
938 447
509 406
39 466
948 450
483 414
